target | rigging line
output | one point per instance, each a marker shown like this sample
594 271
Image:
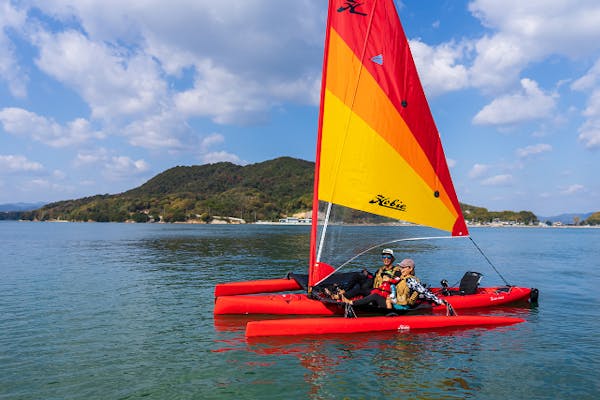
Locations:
489 262
386 243
325 224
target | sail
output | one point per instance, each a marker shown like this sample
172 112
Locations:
378 148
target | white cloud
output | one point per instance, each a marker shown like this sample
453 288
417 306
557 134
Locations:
224 97
246 56
438 67
120 167
10 70
590 134
209 156
573 189
478 170
90 157
533 149
12 162
161 131
529 32
529 104
112 80
589 80
211 140
589 131
498 180
20 122
218 156
498 62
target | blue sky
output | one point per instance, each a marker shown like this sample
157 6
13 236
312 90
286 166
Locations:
99 96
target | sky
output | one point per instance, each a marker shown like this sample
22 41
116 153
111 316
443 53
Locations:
100 96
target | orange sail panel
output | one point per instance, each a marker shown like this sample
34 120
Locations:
379 150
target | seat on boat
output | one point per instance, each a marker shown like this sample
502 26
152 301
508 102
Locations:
468 284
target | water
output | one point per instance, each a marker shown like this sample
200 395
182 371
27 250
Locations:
124 311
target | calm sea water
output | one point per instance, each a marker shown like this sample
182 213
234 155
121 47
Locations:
125 311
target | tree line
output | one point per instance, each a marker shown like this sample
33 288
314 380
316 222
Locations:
263 191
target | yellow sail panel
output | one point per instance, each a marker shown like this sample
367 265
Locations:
349 81
360 170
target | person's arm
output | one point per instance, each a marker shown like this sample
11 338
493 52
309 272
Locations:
416 286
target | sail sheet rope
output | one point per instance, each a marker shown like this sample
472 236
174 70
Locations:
489 262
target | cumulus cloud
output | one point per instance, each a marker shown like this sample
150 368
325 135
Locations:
439 67
526 33
478 170
218 156
529 104
113 81
13 162
533 149
498 180
572 189
161 131
589 131
208 155
10 70
245 58
20 122
90 157
120 167
590 134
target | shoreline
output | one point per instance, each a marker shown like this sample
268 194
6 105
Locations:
275 223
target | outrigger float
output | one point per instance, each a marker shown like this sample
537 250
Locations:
378 155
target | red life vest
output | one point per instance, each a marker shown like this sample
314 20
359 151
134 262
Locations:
384 289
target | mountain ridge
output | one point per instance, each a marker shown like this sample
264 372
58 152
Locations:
267 190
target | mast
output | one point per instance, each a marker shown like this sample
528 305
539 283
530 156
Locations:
312 265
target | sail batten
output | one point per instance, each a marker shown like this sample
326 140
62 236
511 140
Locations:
378 148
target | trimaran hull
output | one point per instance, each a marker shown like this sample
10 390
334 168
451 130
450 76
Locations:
302 304
378 153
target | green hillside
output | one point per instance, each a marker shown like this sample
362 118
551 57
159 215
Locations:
264 191
267 190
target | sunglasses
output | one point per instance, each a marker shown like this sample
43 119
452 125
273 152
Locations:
388 257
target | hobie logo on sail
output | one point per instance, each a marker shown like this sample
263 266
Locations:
387 202
350 6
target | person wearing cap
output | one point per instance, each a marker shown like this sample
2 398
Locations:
387 257
402 295
407 289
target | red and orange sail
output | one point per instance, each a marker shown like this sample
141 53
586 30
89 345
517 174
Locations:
378 149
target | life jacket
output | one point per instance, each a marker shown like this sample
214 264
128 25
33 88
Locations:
404 295
384 289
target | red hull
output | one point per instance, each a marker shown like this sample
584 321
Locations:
320 326
300 304
258 286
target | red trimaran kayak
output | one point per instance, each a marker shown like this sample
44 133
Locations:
378 155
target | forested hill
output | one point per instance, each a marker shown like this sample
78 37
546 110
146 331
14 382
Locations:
264 191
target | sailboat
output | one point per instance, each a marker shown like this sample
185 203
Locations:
379 157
